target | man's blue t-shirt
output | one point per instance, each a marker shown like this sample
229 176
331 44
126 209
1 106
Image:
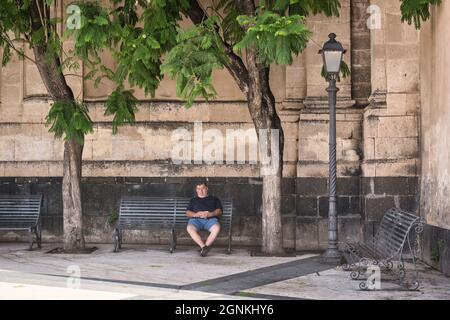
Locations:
208 203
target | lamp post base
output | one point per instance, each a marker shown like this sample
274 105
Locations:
332 256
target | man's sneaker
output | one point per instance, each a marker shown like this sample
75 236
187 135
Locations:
204 251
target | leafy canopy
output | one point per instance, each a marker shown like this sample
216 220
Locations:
277 31
416 11
69 119
146 42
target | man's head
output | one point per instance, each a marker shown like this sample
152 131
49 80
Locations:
202 189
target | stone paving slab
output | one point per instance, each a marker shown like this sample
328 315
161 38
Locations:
138 263
29 286
335 284
151 272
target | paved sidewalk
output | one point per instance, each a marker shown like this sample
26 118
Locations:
151 272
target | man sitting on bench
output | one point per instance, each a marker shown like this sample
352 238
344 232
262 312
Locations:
203 212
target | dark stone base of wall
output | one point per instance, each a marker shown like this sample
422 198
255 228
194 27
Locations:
436 250
361 204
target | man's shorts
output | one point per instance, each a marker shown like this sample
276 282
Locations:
203 224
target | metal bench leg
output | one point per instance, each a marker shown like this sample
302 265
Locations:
39 236
415 284
30 238
116 239
173 241
229 243
361 268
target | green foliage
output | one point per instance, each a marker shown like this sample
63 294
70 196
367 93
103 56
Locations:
416 11
14 18
231 29
144 38
193 59
137 42
303 7
69 119
275 37
122 104
95 32
113 217
344 72
436 250
14 22
6 55
312 7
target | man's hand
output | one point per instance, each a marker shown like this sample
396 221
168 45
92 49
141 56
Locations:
202 214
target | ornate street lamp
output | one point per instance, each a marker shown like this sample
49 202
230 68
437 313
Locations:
332 53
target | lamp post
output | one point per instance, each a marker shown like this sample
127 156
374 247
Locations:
332 53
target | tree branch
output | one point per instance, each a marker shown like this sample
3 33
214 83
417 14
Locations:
11 45
234 64
43 22
72 74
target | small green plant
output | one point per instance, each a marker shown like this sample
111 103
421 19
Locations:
113 218
436 251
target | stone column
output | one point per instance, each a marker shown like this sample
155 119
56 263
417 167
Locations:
360 52
390 137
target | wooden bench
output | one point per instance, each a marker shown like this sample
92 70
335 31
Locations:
142 213
397 235
22 212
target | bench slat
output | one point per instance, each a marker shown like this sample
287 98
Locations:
19 212
390 237
139 212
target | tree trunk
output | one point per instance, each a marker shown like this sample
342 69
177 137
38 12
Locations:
71 191
261 103
59 90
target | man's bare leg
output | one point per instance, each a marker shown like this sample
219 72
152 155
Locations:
195 236
214 232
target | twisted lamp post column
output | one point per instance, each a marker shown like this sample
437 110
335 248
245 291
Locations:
332 252
332 52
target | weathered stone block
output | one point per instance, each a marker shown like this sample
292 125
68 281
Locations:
307 206
306 234
345 206
386 185
395 148
311 186
435 247
350 229
33 149
312 149
369 148
288 205
394 28
401 127
6 150
402 75
313 129
289 228
376 207
348 186
288 186
406 167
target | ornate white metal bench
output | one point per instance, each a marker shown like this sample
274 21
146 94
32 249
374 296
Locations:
397 235
22 212
142 213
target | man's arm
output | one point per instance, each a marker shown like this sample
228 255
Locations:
204 214
216 213
192 214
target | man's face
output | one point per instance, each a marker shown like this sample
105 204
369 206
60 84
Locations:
202 191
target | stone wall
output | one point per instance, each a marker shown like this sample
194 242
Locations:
377 143
435 132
